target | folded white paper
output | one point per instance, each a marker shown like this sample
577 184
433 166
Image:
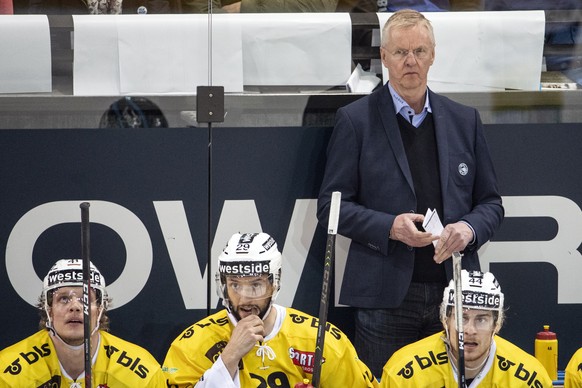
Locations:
432 223
362 81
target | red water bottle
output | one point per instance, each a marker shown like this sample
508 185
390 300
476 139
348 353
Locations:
304 384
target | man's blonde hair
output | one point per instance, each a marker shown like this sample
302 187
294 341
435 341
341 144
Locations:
406 18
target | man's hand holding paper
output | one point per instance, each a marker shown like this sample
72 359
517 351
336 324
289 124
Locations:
404 229
452 238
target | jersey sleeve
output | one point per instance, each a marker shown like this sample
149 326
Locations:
390 378
122 363
573 377
387 381
31 362
342 367
158 380
179 368
187 365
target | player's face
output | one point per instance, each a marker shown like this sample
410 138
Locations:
478 328
249 295
408 54
67 313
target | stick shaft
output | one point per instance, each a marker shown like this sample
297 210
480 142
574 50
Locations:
325 286
85 256
459 318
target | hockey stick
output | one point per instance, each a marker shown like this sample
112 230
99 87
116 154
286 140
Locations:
334 211
85 250
459 318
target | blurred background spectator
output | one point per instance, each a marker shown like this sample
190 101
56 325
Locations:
6 7
133 112
256 6
80 7
419 5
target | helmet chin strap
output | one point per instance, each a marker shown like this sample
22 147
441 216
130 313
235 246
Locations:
70 347
268 311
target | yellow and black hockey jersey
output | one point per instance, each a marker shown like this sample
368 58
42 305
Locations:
573 377
288 361
33 362
425 363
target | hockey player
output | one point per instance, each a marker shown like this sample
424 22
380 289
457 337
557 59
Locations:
254 342
54 356
490 361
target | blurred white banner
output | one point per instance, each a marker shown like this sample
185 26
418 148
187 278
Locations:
485 51
25 45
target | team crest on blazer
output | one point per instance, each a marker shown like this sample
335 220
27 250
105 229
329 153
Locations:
463 169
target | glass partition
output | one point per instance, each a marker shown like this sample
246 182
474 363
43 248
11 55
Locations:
280 64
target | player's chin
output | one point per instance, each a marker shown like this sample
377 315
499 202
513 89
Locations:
472 349
73 339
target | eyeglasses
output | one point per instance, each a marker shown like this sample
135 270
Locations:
419 53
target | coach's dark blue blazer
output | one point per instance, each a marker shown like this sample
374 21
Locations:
367 163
